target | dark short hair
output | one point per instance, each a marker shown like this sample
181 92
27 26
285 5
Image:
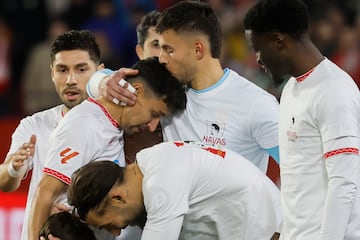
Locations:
147 21
76 40
160 81
193 17
91 183
286 16
67 227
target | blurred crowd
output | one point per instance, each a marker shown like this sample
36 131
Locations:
28 27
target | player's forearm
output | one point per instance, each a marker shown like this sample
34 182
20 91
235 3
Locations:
342 188
7 182
41 207
96 84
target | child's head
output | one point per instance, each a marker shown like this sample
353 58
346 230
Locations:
65 226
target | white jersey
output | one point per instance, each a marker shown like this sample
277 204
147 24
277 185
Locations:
86 133
234 113
195 191
41 124
319 121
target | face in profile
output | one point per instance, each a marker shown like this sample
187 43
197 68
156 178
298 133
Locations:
145 114
269 53
178 55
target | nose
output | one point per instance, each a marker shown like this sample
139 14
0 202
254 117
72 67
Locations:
258 60
152 125
115 232
71 78
162 57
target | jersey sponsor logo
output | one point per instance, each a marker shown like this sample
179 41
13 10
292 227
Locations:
67 154
215 132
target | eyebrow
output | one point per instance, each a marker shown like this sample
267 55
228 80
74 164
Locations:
77 65
166 46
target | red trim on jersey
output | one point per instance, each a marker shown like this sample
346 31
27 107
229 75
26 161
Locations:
341 151
179 144
106 112
57 175
304 76
215 151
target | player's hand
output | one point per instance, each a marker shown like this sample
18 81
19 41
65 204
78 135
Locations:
110 88
58 207
24 152
50 237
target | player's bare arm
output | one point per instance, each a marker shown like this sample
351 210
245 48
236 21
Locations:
48 190
110 88
15 166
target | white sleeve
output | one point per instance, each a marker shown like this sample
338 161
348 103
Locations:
167 231
72 145
343 168
264 123
92 86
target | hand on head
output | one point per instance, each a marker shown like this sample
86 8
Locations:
110 88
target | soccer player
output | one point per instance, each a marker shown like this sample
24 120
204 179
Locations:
183 191
93 131
319 125
75 56
147 46
66 226
147 37
247 116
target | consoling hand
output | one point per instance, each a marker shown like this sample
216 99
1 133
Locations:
110 88
50 237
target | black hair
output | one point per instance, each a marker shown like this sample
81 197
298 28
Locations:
76 39
193 17
91 183
217 128
286 16
161 83
147 21
66 226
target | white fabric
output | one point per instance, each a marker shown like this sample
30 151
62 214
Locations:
246 118
41 124
86 133
320 168
193 191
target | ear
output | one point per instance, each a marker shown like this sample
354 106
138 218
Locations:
139 51
279 40
139 87
101 66
117 196
199 49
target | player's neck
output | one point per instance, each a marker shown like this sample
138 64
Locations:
208 73
116 111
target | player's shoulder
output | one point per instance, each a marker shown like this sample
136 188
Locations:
243 87
44 118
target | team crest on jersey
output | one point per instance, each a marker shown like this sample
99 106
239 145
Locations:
291 132
215 132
